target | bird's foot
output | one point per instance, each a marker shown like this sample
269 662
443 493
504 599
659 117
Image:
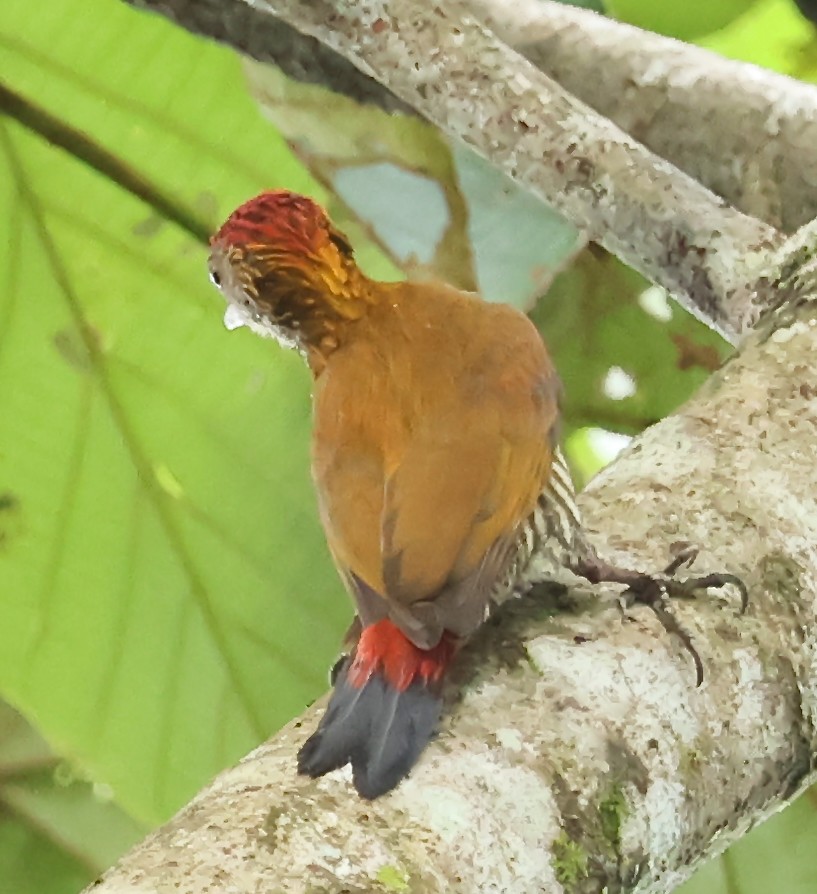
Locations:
656 590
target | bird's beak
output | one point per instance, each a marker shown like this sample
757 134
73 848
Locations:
234 318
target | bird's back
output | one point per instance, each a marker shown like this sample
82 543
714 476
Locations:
433 437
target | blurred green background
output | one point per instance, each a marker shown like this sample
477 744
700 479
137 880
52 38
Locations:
166 597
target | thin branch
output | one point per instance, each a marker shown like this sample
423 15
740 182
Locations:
84 149
581 756
267 39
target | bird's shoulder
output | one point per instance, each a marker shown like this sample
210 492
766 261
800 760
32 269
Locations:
444 328
428 352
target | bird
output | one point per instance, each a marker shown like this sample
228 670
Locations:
436 462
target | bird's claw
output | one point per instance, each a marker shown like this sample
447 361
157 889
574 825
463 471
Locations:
688 588
655 591
685 554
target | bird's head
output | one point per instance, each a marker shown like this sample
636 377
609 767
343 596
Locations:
285 270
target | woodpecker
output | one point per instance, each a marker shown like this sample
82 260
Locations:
436 463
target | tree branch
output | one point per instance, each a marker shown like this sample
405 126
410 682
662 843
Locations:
454 71
791 273
581 754
462 78
743 131
747 132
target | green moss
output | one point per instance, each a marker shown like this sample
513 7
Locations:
690 760
569 861
393 878
613 810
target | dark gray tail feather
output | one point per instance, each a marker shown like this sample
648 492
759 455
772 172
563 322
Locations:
378 729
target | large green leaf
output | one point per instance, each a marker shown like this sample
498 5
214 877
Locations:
777 856
683 20
57 831
166 596
773 34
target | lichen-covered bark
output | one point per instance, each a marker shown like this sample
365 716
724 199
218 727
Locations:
747 132
579 753
444 63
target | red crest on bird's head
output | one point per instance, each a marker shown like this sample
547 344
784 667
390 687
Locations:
279 218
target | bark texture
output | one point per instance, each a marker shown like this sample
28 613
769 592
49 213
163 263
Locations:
744 132
462 78
580 754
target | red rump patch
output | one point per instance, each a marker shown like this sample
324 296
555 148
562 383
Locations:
278 217
383 647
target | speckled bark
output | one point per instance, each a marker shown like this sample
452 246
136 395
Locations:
580 755
744 132
443 63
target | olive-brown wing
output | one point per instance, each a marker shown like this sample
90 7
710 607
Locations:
467 478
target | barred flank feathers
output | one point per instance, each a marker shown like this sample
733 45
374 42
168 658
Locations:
559 500
553 528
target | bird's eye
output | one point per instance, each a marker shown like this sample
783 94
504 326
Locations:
215 278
